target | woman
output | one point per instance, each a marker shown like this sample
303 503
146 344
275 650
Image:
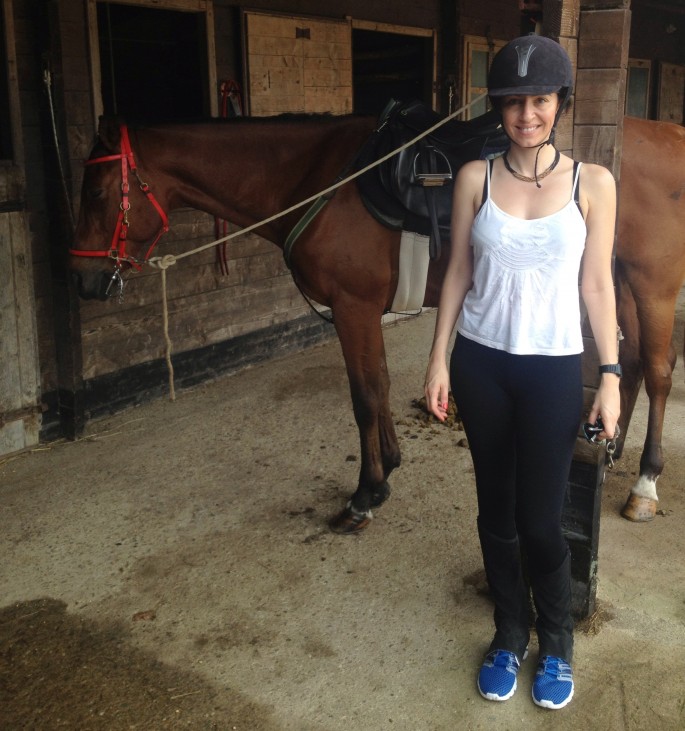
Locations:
520 225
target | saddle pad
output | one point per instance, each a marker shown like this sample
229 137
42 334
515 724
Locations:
411 283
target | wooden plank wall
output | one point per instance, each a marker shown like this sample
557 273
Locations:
205 307
561 21
497 19
671 95
298 65
600 86
19 385
20 412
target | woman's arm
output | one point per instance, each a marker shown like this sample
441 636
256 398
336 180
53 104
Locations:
598 194
458 280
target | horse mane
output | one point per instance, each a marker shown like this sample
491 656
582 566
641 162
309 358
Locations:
285 118
107 137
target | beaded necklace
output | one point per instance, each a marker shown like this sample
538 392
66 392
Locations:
525 178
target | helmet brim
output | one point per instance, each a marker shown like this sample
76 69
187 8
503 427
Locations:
524 90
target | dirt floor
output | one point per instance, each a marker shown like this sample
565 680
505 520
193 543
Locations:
173 569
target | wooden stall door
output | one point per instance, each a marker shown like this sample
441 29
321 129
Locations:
19 379
477 57
296 64
19 389
671 93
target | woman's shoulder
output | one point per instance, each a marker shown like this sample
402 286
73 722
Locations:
473 167
596 176
597 192
472 173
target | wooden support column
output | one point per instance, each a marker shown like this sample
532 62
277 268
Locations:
561 19
603 44
66 307
449 57
596 36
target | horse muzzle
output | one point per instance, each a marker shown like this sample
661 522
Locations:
99 284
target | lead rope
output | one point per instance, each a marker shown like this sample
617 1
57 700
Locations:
167 339
164 262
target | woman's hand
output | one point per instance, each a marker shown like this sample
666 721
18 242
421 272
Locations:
607 404
436 389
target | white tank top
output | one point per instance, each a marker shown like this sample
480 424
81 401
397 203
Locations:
524 297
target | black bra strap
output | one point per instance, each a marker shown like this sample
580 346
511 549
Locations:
488 170
576 186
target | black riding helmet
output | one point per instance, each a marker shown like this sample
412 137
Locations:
531 64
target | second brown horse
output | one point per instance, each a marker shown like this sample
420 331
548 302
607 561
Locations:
650 270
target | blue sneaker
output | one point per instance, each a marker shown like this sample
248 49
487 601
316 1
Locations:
497 676
553 686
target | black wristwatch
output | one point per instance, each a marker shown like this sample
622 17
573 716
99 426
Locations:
611 368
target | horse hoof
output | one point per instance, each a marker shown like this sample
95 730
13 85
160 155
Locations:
639 509
349 521
379 496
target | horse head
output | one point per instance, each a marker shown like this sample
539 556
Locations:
120 220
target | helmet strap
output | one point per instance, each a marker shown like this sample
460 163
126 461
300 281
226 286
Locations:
550 141
535 169
552 134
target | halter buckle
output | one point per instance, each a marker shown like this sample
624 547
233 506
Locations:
118 282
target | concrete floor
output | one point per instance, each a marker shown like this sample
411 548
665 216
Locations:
193 536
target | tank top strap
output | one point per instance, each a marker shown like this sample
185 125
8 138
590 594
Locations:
576 183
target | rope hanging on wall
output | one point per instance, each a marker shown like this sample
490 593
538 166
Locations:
231 105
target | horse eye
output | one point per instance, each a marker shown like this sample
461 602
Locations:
97 193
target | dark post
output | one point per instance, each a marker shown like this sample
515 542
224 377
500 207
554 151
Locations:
596 34
449 65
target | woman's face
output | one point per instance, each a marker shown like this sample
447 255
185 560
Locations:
528 120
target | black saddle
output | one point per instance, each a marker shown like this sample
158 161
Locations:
412 190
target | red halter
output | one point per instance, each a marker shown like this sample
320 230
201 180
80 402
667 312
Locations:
117 248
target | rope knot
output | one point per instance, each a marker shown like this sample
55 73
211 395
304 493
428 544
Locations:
163 262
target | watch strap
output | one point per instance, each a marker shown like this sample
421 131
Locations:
611 368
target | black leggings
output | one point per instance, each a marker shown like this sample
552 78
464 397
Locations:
521 415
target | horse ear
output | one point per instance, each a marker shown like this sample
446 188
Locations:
109 132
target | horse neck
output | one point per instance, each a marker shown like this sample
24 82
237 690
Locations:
247 170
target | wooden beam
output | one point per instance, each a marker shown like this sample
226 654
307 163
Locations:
602 50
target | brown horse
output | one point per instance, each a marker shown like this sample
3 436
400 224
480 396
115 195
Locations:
344 259
650 271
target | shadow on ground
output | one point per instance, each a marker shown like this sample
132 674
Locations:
60 671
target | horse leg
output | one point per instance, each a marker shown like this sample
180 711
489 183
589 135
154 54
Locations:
658 357
359 329
390 449
629 355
